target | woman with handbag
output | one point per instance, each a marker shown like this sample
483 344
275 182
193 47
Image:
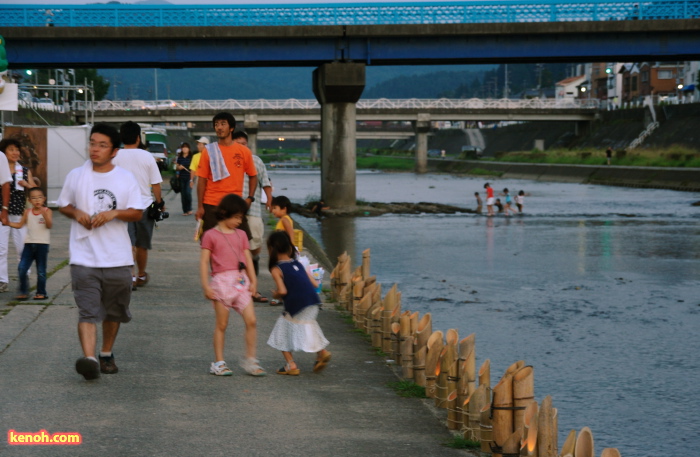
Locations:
184 159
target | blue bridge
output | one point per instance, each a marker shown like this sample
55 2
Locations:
465 12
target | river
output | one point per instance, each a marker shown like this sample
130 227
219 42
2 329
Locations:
597 287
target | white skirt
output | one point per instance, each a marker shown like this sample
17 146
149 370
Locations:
298 333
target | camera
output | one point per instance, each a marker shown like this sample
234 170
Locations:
155 211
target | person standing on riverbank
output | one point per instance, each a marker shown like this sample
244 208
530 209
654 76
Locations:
222 169
490 199
608 154
296 329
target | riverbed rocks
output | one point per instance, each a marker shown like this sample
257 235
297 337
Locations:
365 209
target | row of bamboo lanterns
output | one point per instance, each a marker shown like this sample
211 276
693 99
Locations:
506 420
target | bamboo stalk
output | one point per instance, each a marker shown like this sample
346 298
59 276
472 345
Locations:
376 302
523 393
502 411
361 311
395 342
420 349
389 303
441 381
413 320
434 348
486 428
511 447
485 373
365 263
547 433
377 326
515 367
610 452
407 357
358 293
405 332
584 444
472 414
454 415
530 425
344 296
569 443
467 360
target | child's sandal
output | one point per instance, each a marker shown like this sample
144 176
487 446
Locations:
285 370
252 367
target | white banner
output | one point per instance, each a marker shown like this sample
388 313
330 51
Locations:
8 96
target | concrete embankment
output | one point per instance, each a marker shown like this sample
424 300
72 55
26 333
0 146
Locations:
684 179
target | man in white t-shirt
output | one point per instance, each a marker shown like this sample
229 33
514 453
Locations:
5 180
143 165
100 198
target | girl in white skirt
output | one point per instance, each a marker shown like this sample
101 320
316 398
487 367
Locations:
296 329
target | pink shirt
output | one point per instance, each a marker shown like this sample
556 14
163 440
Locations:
227 249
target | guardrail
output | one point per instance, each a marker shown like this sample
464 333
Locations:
499 11
311 104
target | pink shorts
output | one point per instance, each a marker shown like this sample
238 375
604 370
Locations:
231 289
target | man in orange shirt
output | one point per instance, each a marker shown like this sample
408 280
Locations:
222 169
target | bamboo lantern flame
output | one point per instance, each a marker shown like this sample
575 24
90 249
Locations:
584 444
434 348
529 441
485 373
441 382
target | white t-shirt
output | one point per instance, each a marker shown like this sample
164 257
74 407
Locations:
109 245
5 175
144 167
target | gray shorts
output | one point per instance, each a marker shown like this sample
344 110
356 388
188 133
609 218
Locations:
102 293
141 232
257 229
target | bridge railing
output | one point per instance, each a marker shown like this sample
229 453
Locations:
495 11
380 103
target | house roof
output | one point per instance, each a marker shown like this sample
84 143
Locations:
573 79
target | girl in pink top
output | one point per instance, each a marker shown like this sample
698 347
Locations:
225 250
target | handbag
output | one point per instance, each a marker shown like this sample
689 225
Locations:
175 184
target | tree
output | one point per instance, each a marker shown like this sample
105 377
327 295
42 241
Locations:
100 85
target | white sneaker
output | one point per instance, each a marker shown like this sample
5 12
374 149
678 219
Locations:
220 369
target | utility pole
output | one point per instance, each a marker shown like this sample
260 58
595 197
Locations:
505 86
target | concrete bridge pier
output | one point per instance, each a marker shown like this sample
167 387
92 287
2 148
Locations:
422 127
337 87
314 148
251 126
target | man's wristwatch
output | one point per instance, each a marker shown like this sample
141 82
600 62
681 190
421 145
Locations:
252 199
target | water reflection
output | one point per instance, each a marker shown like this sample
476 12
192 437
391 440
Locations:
338 236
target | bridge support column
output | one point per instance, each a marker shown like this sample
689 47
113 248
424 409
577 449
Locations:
251 126
314 148
422 128
337 87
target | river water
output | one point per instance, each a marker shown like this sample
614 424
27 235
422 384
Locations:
597 287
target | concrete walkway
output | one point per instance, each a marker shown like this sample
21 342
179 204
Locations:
163 402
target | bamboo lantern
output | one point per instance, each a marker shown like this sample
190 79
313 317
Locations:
485 373
472 414
434 348
584 444
395 342
454 414
343 296
610 452
453 374
361 311
467 360
365 263
389 303
358 293
523 393
486 428
413 321
407 357
529 441
405 332
369 283
441 370
376 302
420 349
502 411
377 326
547 429
515 367
569 443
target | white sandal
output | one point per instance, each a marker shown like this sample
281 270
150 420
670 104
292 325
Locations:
252 367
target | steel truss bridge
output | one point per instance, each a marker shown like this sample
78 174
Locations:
369 109
464 12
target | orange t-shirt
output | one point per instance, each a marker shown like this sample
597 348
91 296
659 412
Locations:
239 162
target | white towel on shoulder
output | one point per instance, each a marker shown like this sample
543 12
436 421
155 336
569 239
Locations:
216 162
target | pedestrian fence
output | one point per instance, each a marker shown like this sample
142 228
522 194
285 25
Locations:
504 419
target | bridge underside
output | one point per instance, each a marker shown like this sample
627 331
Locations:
177 47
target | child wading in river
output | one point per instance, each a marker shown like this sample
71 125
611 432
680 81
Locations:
226 251
38 220
296 329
